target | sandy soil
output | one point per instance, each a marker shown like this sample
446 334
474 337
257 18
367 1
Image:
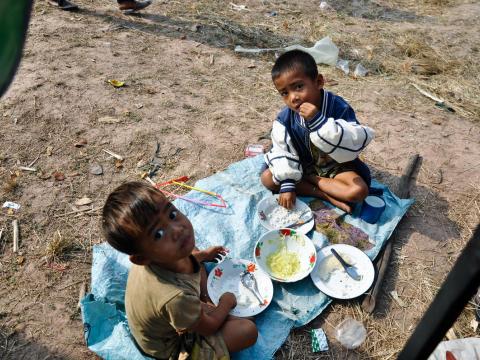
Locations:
188 90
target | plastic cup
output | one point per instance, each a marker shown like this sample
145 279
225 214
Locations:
372 208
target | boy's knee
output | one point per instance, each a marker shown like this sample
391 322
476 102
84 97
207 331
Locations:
357 193
251 332
267 180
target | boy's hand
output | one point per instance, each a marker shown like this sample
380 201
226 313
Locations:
213 252
308 111
287 199
229 299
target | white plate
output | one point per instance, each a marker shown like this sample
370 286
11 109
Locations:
226 277
295 242
337 283
266 206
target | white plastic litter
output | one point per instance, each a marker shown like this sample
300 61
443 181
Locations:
324 6
468 348
360 71
343 65
350 333
324 51
11 205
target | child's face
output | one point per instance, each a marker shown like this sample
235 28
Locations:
168 239
297 88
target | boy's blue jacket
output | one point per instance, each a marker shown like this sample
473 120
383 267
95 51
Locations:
334 130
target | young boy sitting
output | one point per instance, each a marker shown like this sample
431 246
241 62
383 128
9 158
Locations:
168 309
316 139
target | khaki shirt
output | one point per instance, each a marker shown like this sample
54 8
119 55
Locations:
160 305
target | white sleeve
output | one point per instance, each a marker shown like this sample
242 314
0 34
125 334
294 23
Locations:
283 160
342 140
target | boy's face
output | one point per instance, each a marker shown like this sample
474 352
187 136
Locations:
297 88
168 239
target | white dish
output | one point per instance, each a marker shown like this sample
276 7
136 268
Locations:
331 278
268 205
293 242
225 277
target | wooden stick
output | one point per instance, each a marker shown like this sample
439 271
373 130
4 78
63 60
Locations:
26 168
403 189
15 235
77 211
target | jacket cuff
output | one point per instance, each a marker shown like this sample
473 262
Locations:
287 186
317 122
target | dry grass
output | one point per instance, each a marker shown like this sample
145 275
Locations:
58 247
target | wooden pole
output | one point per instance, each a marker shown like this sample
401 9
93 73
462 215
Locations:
15 235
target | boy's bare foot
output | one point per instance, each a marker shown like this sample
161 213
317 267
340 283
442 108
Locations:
131 6
64 5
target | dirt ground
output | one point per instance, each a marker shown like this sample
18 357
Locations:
187 89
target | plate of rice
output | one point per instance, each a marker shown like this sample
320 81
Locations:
285 255
274 216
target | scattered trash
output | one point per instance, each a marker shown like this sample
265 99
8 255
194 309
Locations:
343 65
252 65
350 333
438 177
26 168
16 235
239 7
83 201
254 150
195 27
116 83
118 164
271 13
11 205
360 71
96 169
324 6
81 143
319 340
241 49
49 150
450 335
461 349
212 59
20 260
444 106
139 106
395 297
474 325
111 153
324 51
58 176
108 120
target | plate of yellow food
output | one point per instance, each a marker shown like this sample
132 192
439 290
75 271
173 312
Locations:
285 255
330 277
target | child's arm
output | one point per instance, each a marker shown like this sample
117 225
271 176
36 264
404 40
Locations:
209 254
283 160
209 323
341 140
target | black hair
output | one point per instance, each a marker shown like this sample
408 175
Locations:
128 211
295 60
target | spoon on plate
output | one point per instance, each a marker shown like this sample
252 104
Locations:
350 269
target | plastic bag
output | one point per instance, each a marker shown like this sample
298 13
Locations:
360 71
350 333
324 51
343 65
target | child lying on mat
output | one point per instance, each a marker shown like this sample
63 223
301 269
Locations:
316 139
168 309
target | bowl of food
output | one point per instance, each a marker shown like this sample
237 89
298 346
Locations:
285 255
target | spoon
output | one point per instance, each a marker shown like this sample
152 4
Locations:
249 281
350 269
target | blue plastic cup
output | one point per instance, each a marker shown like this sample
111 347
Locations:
372 208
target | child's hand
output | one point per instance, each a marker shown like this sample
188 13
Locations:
229 299
213 252
287 199
308 111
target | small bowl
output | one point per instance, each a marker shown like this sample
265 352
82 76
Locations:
295 242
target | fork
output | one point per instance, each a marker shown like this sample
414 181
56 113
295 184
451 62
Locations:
350 269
